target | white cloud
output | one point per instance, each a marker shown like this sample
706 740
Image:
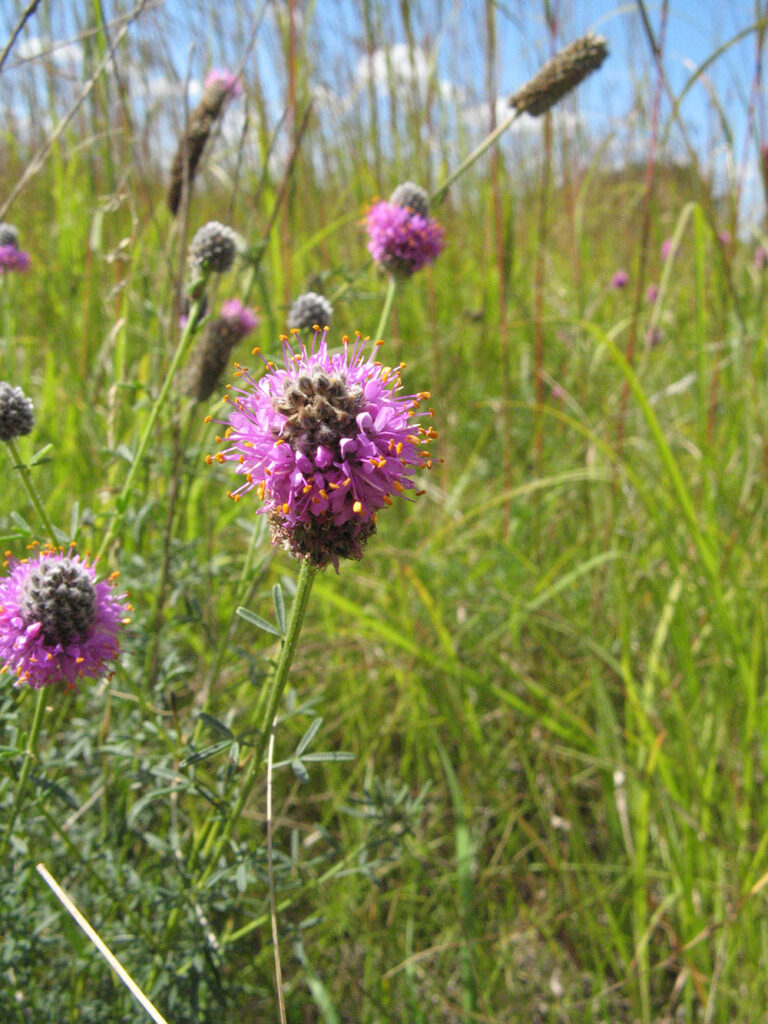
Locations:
61 53
400 65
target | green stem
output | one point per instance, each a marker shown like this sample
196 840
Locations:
5 329
389 298
122 501
23 471
268 707
438 194
29 753
212 832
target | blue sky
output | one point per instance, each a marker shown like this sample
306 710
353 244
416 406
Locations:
195 35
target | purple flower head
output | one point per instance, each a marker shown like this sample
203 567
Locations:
325 441
724 238
651 293
225 80
401 240
239 318
760 259
57 622
620 279
666 249
12 258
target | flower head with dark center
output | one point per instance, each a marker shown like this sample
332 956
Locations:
325 441
58 623
308 310
620 279
17 414
400 239
13 258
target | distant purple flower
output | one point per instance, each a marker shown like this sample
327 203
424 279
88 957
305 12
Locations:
239 318
666 249
57 623
724 238
226 80
620 279
651 293
12 258
325 442
653 337
401 240
760 259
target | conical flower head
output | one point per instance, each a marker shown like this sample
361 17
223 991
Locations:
9 235
325 441
17 414
213 247
309 310
412 196
560 75
58 623
218 87
215 346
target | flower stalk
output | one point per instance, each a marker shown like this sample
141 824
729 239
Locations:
29 754
26 478
181 351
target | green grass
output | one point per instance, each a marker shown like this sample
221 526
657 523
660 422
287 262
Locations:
549 669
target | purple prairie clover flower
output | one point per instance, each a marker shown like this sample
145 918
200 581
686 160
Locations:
724 238
620 279
213 351
239 318
227 81
325 441
666 249
651 294
13 258
58 623
401 240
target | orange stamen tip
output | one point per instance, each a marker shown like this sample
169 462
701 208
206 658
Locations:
357 507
